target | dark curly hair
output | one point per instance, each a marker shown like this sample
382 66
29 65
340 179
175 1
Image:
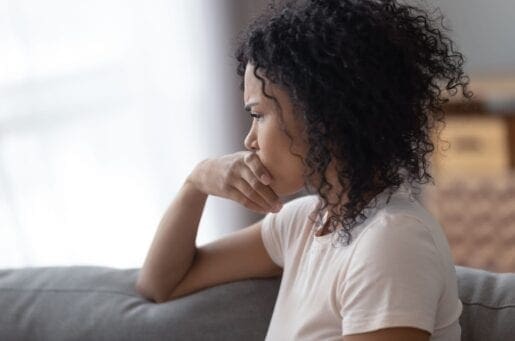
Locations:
365 77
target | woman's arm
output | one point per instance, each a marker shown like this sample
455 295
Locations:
173 248
173 251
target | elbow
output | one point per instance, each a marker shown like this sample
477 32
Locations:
148 293
142 290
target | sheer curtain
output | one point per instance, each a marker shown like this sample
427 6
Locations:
105 107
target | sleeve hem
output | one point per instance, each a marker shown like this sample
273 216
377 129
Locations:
375 323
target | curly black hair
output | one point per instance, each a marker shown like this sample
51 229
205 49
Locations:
365 76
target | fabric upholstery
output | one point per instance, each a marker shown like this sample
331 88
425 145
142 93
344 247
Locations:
488 304
101 303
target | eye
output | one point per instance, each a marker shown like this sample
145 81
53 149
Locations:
257 116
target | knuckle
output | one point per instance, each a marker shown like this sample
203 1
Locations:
254 183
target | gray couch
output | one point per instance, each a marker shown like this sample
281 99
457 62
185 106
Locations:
100 303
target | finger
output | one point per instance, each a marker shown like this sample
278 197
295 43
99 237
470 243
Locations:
240 197
259 171
256 166
249 190
265 192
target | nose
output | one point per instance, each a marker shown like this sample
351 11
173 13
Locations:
251 140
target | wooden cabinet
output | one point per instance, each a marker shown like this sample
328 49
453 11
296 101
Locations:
474 195
475 144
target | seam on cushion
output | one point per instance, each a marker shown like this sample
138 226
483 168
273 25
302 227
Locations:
489 307
71 290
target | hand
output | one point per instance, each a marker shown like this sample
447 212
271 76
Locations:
240 177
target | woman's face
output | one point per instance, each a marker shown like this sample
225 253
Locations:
270 143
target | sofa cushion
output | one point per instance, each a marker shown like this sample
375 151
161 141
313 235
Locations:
100 303
488 304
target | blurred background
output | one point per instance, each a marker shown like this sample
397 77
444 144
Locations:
106 106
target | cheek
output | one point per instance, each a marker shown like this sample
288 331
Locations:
287 182
270 150
274 152
286 169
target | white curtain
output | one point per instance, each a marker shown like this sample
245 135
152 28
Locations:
105 107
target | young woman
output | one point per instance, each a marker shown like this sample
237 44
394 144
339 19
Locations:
344 96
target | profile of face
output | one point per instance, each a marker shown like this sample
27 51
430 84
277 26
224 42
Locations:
266 136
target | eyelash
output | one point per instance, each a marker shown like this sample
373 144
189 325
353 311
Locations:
255 115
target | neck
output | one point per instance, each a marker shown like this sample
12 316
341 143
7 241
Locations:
334 202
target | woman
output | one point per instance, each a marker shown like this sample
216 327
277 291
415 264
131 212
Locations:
344 96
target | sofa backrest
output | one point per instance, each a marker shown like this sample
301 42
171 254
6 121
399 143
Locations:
101 303
488 304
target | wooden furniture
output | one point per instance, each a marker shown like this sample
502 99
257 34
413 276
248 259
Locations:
474 196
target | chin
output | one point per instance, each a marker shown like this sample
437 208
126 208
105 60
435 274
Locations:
283 190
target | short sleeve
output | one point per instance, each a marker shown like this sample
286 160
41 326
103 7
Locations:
395 278
270 233
280 230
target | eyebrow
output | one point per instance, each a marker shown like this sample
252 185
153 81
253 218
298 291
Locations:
250 105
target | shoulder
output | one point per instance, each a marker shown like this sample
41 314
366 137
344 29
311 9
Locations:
284 229
397 245
297 208
397 232
395 276
293 213
399 218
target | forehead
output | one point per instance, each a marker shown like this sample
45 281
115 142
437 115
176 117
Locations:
253 91
253 86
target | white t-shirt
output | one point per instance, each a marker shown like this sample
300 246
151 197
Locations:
397 271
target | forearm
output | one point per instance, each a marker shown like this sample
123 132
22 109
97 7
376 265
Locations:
173 248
